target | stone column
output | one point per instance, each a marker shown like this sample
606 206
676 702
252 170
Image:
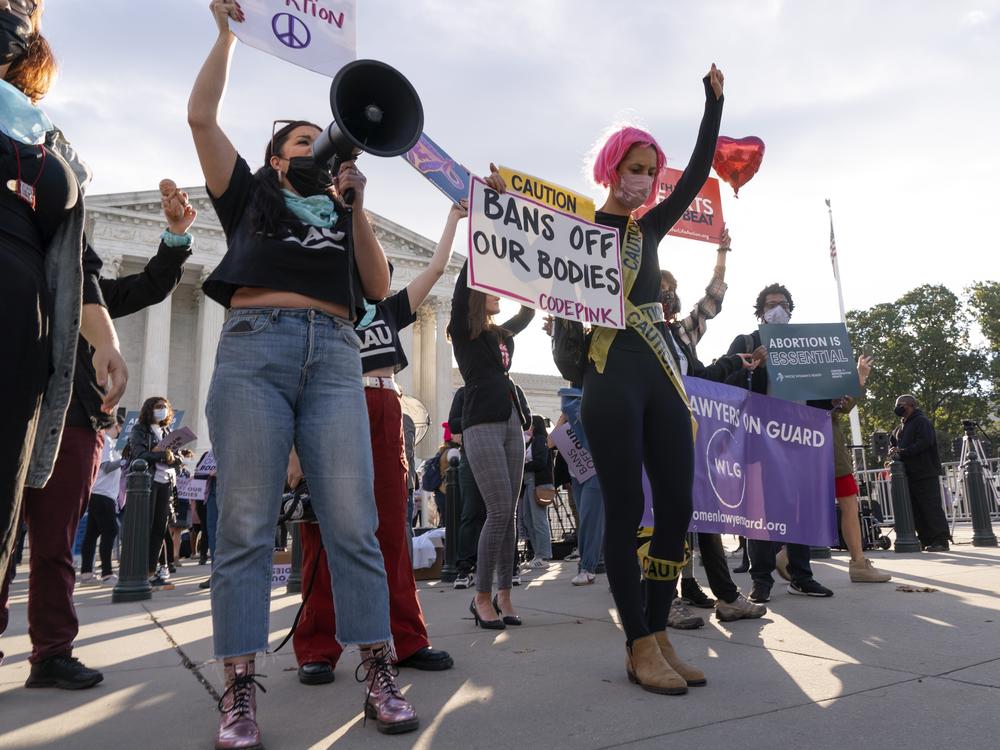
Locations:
211 315
428 391
405 378
442 363
156 352
414 357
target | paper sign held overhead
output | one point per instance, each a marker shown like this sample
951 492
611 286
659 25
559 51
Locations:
543 258
810 361
443 172
703 218
319 35
552 195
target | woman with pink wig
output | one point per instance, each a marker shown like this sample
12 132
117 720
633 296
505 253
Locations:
632 381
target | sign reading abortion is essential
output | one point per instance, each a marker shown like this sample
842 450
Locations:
543 258
763 466
318 35
810 361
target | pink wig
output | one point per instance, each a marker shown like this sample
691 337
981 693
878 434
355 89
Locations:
615 149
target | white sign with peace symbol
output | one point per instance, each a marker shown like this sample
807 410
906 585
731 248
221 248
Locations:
316 34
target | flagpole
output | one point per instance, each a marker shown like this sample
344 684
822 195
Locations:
854 415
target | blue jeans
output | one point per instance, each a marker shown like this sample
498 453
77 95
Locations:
285 377
211 509
535 520
588 497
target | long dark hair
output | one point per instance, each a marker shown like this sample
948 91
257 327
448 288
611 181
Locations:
480 320
268 213
146 412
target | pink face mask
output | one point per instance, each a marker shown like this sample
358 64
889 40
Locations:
632 190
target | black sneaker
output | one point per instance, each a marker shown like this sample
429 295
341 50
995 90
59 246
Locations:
428 659
463 581
206 584
158 584
937 547
64 672
761 592
808 588
692 594
316 673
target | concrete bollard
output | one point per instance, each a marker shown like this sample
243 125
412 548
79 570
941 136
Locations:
449 570
294 585
133 568
902 510
975 489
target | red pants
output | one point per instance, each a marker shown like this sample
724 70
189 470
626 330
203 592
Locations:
315 637
53 514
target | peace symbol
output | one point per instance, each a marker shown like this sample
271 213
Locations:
291 31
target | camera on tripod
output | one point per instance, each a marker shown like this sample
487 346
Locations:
969 425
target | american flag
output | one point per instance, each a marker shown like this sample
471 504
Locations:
833 241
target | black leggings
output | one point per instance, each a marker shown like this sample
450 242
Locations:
160 505
102 521
633 415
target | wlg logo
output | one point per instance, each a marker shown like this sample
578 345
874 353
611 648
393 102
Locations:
724 474
291 31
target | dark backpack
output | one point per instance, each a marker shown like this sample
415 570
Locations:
569 349
431 478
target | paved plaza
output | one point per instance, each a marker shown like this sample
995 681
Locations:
873 667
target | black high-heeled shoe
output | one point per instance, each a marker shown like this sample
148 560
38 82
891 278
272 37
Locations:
485 624
507 619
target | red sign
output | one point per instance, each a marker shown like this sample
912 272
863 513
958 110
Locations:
703 219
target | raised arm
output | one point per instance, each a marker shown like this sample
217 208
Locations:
663 216
215 151
520 321
373 267
420 287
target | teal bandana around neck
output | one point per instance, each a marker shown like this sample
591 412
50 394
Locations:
316 210
369 316
20 119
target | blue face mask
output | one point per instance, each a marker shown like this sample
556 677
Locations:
368 318
20 119
316 210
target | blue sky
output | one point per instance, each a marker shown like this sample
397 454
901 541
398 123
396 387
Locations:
888 108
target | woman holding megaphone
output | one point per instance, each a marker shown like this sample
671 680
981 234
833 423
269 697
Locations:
288 372
632 380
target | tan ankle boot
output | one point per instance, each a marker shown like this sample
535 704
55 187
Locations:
692 676
647 668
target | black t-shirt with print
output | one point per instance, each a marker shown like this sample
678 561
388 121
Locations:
380 345
312 261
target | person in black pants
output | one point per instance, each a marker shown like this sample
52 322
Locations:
915 444
102 510
473 509
152 425
774 305
635 409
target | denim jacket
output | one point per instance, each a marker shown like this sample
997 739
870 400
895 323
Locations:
64 278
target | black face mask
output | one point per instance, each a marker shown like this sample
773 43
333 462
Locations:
308 178
900 411
15 32
671 303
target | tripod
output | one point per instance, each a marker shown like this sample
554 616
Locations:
971 445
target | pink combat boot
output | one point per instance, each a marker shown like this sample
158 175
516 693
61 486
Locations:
238 704
384 702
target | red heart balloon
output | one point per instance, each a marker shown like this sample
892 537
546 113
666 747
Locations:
737 160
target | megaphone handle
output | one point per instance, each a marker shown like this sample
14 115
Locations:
349 196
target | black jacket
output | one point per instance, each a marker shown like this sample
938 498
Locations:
122 296
718 372
458 405
917 443
755 380
141 442
489 391
541 460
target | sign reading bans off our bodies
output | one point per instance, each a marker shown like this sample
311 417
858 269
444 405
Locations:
554 262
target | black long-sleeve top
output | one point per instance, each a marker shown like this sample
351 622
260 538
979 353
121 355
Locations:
718 372
485 361
917 446
541 460
661 218
122 296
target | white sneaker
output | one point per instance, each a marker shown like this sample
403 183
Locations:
583 578
572 556
463 581
163 572
87 578
110 580
536 563
515 580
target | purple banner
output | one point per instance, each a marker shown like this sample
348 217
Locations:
763 467
447 175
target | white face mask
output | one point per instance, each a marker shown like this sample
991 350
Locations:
777 316
159 414
632 190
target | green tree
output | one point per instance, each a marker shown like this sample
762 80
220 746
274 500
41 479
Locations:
984 300
922 345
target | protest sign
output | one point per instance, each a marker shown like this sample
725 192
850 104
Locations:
130 419
315 34
192 489
763 467
810 361
206 465
176 440
578 459
524 250
552 195
443 172
703 219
